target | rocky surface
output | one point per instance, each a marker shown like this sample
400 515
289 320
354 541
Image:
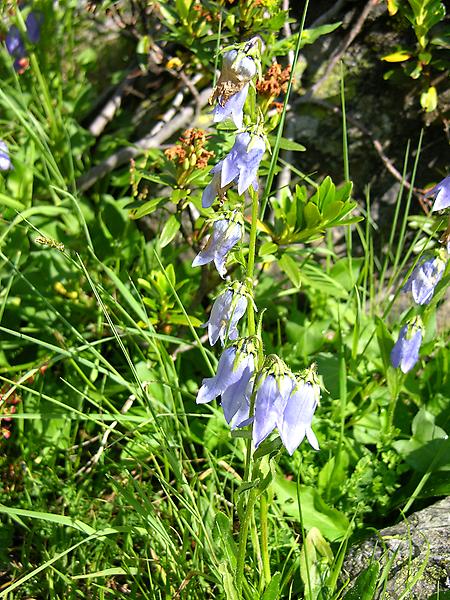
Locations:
419 548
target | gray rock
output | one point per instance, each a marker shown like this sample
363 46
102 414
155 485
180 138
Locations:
419 549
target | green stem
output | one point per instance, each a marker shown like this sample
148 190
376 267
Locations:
243 530
251 261
264 512
243 533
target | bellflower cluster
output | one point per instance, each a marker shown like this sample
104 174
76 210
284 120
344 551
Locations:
5 161
286 403
425 278
226 233
14 42
405 352
252 390
226 312
422 284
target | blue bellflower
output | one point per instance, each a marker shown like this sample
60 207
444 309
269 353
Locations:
243 161
405 352
5 161
226 234
274 386
441 191
233 108
226 312
295 421
33 24
14 43
238 69
233 382
424 279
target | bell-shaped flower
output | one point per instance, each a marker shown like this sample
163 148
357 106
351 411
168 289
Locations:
441 192
239 67
242 162
425 278
405 352
233 382
5 161
33 24
14 43
226 233
233 108
273 389
226 312
295 421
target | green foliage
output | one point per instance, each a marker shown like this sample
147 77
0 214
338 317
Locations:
113 481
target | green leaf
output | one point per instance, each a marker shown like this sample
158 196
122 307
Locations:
312 215
169 231
273 589
291 268
314 512
365 584
138 210
286 144
267 248
223 527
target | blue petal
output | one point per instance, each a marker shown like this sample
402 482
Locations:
218 318
295 422
226 375
233 108
269 404
442 191
235 399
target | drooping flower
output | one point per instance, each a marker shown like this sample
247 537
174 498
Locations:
33 24
243 161
234 108
5 161
14 43
239 66
425 278
273 389
405 352
233 382
241 165
295 421
226 312
441 192
226 233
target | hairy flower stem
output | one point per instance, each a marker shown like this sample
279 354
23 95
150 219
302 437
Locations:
244 525
251 260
